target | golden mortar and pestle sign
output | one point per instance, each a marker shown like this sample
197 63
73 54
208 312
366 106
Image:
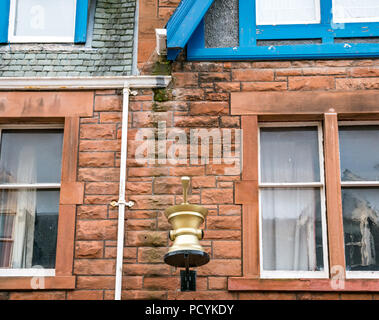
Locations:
185 218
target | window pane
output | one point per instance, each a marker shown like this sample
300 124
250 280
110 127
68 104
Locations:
31 156
359 153
6 241
34 227
361 228
287 11
45 18
6 225
46 228
292 230
222 24
355 10
5 254
289 154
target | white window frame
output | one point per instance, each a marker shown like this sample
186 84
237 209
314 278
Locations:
28 272
273 23
357 184
350 20
289 274
34 39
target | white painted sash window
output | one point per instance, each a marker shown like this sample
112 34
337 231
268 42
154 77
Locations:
359 156
30 173
42 21
293 241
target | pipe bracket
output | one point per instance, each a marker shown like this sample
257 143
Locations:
128 204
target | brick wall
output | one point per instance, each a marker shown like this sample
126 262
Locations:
199 97
153 188
152 14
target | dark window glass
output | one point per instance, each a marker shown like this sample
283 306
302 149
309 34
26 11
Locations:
359 153
361 229
359 156
28 210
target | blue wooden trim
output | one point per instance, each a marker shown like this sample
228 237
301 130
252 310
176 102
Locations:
4 20
197 40
326 11
317 31
81 21
246 23
172 54
353 30
330 51
326 20
184 21
326 30
178 16
198 37
293 31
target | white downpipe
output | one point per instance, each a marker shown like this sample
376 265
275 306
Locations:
121 200
91 83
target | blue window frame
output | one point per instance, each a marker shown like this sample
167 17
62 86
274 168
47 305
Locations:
80 28
251 35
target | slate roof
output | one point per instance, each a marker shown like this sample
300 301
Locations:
109 52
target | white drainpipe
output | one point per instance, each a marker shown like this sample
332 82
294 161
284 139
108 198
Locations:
92 83
121 199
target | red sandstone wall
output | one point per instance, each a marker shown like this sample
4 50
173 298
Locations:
152 14
154 187
200 99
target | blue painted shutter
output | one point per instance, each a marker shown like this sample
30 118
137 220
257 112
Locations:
4 20
81 21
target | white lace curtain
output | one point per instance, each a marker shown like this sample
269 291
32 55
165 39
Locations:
289 214
288 229
18 214
355 10
275 12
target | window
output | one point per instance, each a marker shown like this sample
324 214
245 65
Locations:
53 181
359 155
30 174
292 201
276 29
42 20
39 21
287 12
284 165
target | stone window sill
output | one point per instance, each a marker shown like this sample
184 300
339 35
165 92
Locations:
37 283
320 285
